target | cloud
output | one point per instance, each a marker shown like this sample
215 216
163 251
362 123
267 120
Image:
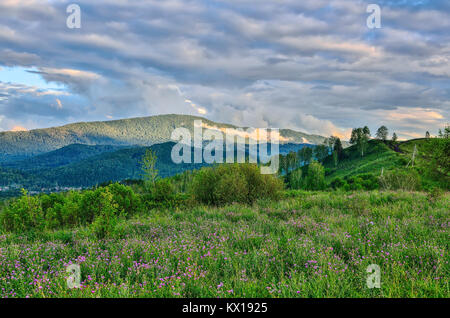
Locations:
18 128
310 65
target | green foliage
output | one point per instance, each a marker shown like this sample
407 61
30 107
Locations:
378 156
106 216
127 201
360 138
382 133
406 180
308 245
321 152
101 168
315 179
228 183
438 160
204 184
162 195
23 214
150 173
71 209
394 137
338 183
295 179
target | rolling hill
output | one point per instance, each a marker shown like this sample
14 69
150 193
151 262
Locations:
378 156
143 131
386 156
83 165
60 157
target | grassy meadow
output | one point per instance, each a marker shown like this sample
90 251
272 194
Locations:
308 244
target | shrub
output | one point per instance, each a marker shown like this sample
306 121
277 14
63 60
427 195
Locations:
107 216
128 202
407 180
363 182
23 214
162 191
337 183
162 194
203 185
232 187
228 183
70 209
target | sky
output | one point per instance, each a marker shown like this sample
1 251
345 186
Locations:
310 65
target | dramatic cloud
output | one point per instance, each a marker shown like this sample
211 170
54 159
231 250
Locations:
310 65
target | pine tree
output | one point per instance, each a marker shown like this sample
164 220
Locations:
394 137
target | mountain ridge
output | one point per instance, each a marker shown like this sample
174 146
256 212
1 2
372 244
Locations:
142 131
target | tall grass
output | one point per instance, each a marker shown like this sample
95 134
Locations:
310 244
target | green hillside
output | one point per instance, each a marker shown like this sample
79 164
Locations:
107 166
378 156
144 131
60 157
83 165
385 156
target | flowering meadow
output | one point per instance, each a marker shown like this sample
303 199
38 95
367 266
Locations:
309 244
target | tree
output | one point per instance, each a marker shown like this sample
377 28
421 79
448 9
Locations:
360 138
295 179
315 179
394 137
366 131
427 135
382 133
338 147
330 142
321 152
150 174
300 156
307 154
335 158
446 133
291 161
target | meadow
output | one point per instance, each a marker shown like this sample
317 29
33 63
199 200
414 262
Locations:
308 244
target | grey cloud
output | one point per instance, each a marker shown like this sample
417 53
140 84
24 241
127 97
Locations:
309 65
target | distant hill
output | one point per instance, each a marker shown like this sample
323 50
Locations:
83 165
94 169
143 131
60 157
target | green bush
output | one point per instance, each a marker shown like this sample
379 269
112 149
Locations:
71 209
363 182
128 202
23 214
162 191
337 183
407 180
107 216
228 183
203 185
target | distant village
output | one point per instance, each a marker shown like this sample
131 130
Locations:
36 190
